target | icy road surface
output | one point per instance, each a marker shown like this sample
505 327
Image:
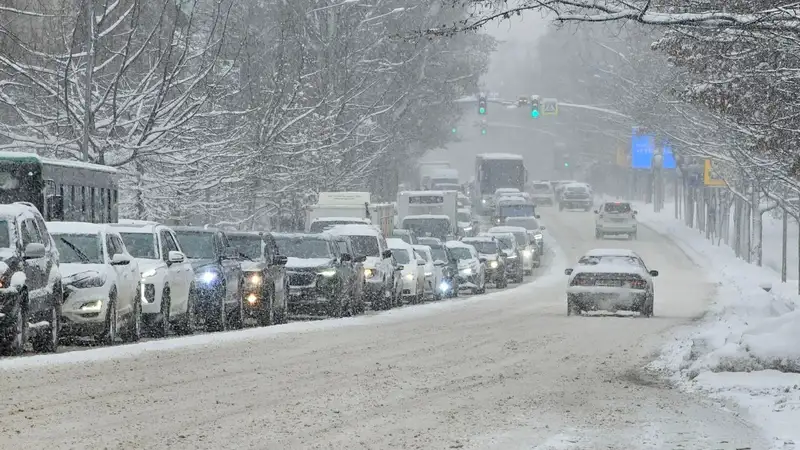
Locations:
505 371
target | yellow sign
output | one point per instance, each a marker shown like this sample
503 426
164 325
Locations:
708 175
623 158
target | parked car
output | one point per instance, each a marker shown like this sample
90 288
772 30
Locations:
265 282
356 279
488 247
218 277
101 283
31 280
444 260
615 218
383 285
471 267
165 276
433 273
412 269
529 251
318 273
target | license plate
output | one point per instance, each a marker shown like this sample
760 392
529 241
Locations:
606 283
617 220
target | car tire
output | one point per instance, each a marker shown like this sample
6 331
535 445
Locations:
335 307
217 315
111 325
598 234
15 333
160 328
560 206
647 307
633 236
133 333
572 307
280 315
48 342
186 325
236 318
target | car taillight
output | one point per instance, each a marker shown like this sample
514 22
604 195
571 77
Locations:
638 284
581 281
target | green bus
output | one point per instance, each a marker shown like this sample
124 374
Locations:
62 190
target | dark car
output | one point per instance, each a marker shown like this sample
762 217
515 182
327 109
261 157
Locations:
219 281
356 280
265 279
318 273
449 264
534 228
488 247
575 197
513 255
31 282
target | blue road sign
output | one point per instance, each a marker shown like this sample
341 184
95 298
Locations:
669 158
642 148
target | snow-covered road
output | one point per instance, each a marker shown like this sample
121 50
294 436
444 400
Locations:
508 370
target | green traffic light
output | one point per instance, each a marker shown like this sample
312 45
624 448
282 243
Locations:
566 164
454 130
482 110
535 113
483 131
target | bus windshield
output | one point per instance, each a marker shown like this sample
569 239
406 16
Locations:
501 173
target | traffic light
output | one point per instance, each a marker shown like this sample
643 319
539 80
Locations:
535 108
484 126
455 130
565 160
482 105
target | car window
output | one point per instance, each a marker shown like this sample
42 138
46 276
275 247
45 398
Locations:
30 234
43 230
120 246
5 233
342 246
140 245
270 248
79 248
617 208
111 250
401 256
167 244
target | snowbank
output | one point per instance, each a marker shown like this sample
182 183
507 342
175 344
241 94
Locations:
747 347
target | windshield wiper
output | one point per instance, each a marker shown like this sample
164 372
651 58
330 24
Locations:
81 255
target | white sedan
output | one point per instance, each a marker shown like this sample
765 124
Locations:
433 273
610 280
101 282
471 267
413 271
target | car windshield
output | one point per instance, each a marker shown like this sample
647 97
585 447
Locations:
428 227
505 242
464 217
320 225
401 255
5 236
304 247
612 259
576 190
439 254
79 248
541 188
485 247
140 245
617 208
461 253
522 238
366 245
196 244
249 246
529 223
516 210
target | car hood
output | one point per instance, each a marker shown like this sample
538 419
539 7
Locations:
372 262
489 256
464 224
199 263
146 264
253 266
307 263
467 263
73 271
508 252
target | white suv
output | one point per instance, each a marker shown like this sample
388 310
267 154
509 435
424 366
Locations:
615 218
166 276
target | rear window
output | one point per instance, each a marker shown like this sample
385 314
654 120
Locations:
618 208
576 189
541 188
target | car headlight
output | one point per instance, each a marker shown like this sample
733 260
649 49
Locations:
428 274
149 273
467 228
538 237
408 276
527 253
369 273
254 278
511 256
467 271
95 280
493 264
208 277
444 286
95 305
327 273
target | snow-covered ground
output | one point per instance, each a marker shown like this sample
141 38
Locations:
747 347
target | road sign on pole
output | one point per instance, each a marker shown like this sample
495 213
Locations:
549 107
709 177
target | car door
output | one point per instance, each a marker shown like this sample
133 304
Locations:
131 269
179 293
35 268
347 267
231 267
277 272
184 269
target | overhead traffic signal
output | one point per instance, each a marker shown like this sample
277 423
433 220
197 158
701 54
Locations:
535 108
482 105
484 126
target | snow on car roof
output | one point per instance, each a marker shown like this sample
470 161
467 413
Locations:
610 267
422 193
478 239
507 229
349 219
465 210
14 209
420 246
501 190
76 227
322 236
354 229
142 227
397 244
500 156
513 201
457 244
427 216
611 252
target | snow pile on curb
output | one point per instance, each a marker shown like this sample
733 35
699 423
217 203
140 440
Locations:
747 347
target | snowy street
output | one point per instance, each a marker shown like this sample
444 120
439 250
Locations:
504 371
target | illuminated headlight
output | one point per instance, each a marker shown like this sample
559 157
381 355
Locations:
483 201
149 273
96 305
467 228
208 277
444 287
327 273
408 276
252 299
254 278
511 256
527 253
493 264
538 237
369 273
466 271
428 274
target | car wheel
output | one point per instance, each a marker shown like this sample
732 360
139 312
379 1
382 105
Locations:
560 206
236 319
647 307
109 334
162 325
280 316
633 236
336 306
133 333
48 342
15 334
217 319
572 307
186 325
598 234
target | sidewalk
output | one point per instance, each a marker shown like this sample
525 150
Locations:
747 347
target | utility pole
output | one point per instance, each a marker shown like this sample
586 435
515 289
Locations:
87 95
784 245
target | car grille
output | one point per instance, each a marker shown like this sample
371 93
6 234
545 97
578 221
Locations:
301 279
609 280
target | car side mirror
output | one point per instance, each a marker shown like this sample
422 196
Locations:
543 227
538 216
34 250
567 271
360 259
120 259
482 259
596 211
399 268
55 208
439 263
346 257
635 213
386 254
176 257
280 260
653 273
